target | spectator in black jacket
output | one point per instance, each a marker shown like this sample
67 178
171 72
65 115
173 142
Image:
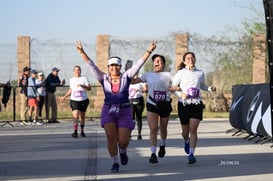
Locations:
23 83
52 81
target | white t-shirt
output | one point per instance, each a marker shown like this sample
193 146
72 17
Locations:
78 93
187 80
41 90
158 85
136 90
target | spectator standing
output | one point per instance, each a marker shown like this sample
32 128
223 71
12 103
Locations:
52 81
42 93
33 98
23 83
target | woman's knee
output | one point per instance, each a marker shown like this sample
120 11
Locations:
123 141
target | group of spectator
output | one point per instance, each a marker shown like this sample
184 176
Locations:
35 91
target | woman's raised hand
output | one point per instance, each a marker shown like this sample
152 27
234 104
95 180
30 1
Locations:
79 46
152 46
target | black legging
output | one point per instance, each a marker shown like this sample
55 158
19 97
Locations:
40 105
137 106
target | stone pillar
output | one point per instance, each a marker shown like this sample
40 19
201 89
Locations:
259 59
103 47
23 53
102 55
181 42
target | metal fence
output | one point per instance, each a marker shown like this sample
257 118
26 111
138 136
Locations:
11 112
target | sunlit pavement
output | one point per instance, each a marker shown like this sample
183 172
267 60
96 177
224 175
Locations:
48 152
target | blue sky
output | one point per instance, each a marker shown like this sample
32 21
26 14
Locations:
70 20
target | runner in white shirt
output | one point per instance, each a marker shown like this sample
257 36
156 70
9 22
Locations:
158 104
190 107
137 103
78 99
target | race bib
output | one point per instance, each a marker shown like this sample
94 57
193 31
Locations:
77 93
193 92
159 96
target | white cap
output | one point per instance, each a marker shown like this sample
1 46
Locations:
114 60
40 73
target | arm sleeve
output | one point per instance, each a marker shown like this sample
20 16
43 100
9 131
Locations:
95 70
135 68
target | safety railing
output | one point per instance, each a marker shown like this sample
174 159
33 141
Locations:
12 110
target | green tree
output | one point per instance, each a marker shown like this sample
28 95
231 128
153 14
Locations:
232 53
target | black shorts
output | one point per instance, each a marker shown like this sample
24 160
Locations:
163 111
79 105
185 112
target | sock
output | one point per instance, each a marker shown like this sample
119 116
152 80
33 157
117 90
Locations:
122 150
75 128
82 128
153 149
115 159
191 151
187 140
162 142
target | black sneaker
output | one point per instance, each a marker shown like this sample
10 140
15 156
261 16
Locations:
153 159
115 167
191 159
124 158
74 135
162 151
83 134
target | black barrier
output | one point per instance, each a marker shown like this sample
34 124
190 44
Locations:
268 9
250 110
